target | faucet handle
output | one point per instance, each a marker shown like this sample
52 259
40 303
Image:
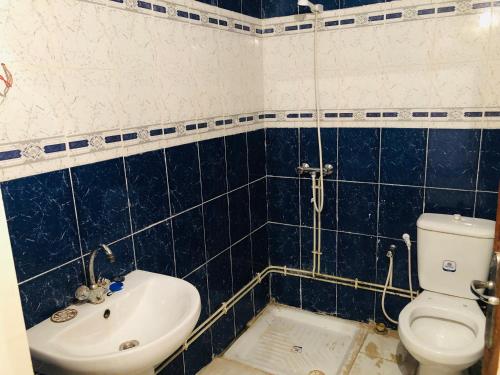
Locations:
103 282
82 293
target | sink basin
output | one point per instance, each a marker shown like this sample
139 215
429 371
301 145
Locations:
148 320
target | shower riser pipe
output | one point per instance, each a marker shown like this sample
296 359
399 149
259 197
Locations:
226 306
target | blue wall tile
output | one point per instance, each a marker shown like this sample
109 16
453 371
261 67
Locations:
283 200
188 244
183 176
147 188
309 147
252 8
239 215
356 256
154 249
357 207
236 154
403 156
258 204
284 249
101 202
48 293
220 283
358 154
452 158
278 8
209 2
328 249
176 367
241 254
486 205
282 152
328 215
357 3
199 279
199 354
213 168
393 306
449 202
489 171
41 220
261 295
234 5
216 219
400 207
260 250
243 313
355 304
223 332
256 154
319 296
286 290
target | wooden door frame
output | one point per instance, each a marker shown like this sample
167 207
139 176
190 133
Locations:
491 362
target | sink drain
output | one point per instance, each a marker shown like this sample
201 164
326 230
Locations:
316 372
128 344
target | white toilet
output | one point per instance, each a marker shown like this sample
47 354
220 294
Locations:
443 328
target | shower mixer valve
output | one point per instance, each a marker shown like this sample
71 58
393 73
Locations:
305 168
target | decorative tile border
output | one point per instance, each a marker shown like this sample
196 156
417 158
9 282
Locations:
328 21
44 149
39 150
400 114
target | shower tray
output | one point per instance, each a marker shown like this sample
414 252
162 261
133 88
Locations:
288 341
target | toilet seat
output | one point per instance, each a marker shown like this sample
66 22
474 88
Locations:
441 329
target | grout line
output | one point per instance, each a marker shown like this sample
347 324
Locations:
388 184
477 171
380 134
301 291
170 210
77 224
48 271
425 168
204 242
338 231
230 237
336 216
129 211
250 220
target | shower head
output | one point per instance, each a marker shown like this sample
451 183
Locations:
315 8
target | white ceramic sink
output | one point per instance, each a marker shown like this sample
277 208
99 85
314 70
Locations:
158 311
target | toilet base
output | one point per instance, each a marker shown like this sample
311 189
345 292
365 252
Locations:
436 370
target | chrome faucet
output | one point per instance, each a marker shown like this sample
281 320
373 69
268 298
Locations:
96 292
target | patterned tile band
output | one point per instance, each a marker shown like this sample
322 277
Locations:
327 22
37 150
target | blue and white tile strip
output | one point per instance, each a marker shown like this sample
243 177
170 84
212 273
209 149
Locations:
328 21
39 150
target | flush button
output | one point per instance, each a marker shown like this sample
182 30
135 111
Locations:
457 217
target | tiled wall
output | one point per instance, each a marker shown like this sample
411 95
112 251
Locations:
420 63
195 211
95 80
383 180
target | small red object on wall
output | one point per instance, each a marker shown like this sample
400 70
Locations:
8 80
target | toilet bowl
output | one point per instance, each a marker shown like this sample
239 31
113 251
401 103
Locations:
444 333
